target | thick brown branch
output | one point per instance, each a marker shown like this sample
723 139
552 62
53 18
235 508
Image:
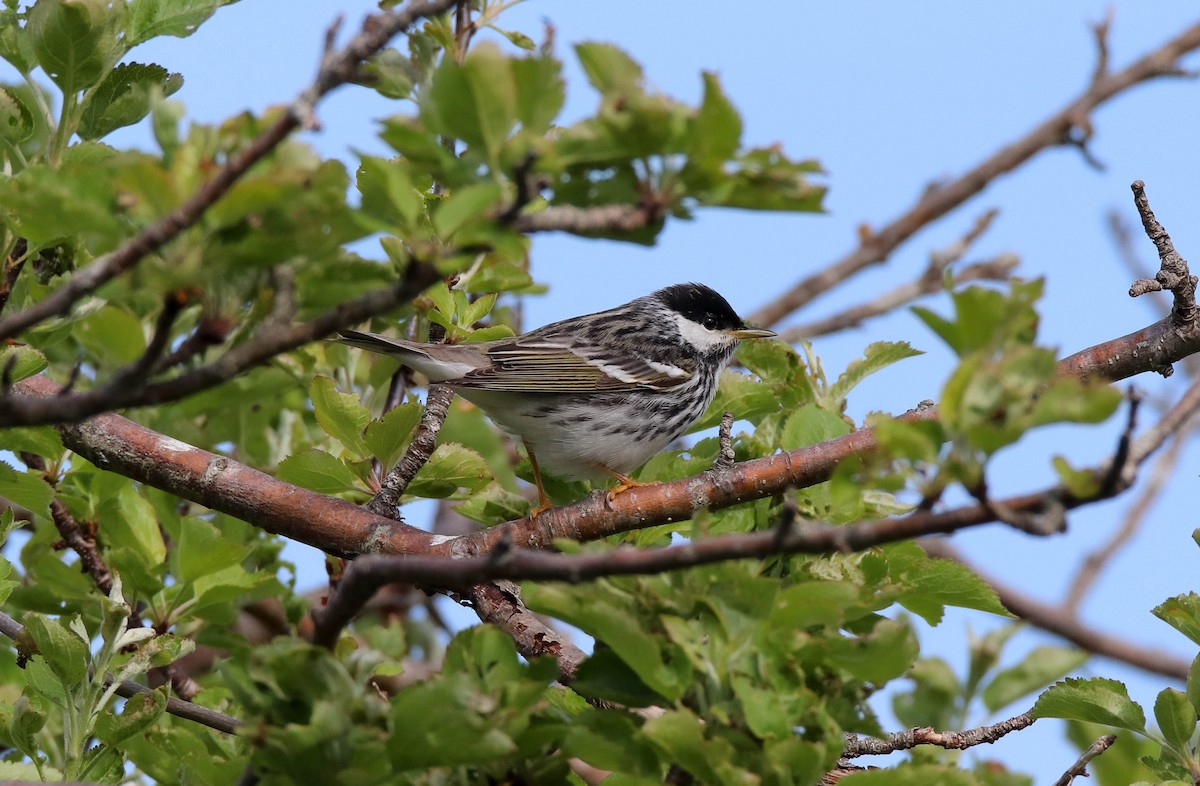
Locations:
343 529
336 69
937 202
333 525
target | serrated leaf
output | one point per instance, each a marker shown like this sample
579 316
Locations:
809 425
42 441
318 471
221 587
933 583
16 121
714 133
389 196
112 334
1176 718
27 489
610 71
179 18
478 310
877 356
494 505
21 361
388 436
203 549
65 653
75 40
1095 700
450 468
540 91
464 205
681 735
28 718
136 526
475 102
139 713
341 415
125 97
1181 612
1040 667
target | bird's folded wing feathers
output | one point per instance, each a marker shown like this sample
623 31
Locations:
557 368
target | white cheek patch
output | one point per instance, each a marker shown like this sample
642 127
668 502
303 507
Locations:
701 337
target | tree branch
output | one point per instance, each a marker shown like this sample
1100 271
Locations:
424 441
336 69
950 740
875 247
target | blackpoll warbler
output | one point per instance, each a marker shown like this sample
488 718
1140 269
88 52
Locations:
593 395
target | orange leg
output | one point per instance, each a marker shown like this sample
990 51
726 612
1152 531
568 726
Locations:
624 482
544 503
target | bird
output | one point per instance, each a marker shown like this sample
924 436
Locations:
595 395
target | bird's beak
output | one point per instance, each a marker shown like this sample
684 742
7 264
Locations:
743 333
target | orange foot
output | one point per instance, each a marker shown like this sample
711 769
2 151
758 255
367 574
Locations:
624 483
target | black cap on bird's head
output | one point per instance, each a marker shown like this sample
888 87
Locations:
707 308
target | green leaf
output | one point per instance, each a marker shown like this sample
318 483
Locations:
389 196
611 71
179 18
881 655
16 120
28 489
139 713
318 471
387 437
810 425
135 526
28 718
221 588
494 505
681 735
464 205
714 133
22 361
1193 683
1096 700
475 102
43 441
1176 718
1040 667
112 334
341 415
1081 483
202 549
1181 612
930 584
66 654
450 468
605 616
877 356
125 97
75 41
540 91
811 603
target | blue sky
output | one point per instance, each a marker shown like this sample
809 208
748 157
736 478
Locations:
890 97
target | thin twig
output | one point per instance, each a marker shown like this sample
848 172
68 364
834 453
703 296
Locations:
336 70
437 406
1173 274
875 247
950 740
1079 768
13 264
128 689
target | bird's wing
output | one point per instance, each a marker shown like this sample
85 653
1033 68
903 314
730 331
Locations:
549 366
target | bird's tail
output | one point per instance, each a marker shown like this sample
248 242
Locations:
437 361
373 342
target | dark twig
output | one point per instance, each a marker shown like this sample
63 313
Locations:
270 341
13 263
1063 623
172 305
81 540
437 406
950 740
725 440
128 689
875 247
1079 768
336 70
1173 273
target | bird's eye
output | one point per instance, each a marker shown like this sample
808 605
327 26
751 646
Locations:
709 322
